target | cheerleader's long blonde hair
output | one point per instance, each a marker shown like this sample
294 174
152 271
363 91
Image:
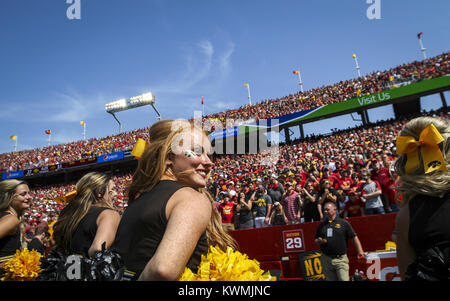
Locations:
90 190
152 166
436 183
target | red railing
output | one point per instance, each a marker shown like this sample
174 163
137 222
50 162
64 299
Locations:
279 247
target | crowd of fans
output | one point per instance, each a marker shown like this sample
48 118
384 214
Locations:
307 173
69 152
250 193
344 90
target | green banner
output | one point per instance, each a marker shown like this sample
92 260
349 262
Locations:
351 104
363 101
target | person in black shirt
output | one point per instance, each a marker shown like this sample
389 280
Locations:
90 219
170 221
278 218
312 209
15 199
332 236
326 192
244 208
423 221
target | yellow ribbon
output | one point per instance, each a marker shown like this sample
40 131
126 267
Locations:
139 148
428 145
70 196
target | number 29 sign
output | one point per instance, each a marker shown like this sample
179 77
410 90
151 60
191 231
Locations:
293 241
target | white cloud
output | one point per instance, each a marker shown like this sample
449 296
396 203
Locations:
225 59
205 71
206 47
73 107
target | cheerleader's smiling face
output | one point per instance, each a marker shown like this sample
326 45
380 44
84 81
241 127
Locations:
190 162
22 199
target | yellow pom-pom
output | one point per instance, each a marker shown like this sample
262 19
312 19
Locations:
187 275
24 266
226 266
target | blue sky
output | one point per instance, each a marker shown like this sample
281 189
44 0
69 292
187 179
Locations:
55 72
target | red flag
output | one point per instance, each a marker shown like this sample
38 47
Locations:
295 72
202 99
47 132
419 35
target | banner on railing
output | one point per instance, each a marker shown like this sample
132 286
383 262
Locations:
79 162
12 174
110 157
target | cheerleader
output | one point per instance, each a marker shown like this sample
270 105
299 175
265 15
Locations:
89 220
170 220
15 199
423 223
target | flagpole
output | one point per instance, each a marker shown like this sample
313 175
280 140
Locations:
15 144
49 138
249 97
84 129
300 81
422 48
203 107
357 65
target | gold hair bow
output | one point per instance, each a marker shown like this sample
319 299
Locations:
66 199
428 144
139 148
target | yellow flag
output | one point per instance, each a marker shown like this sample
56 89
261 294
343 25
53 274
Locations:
353 55
138 149
245 85
13 137
82 123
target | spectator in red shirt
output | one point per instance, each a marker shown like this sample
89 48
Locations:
354 206
226 210
381 175
346 182
291 202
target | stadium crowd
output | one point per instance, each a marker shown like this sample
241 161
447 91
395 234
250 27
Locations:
308 173
69 152
344 90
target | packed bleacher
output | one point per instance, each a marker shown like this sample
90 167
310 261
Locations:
72 151
272 108
337 158
344 90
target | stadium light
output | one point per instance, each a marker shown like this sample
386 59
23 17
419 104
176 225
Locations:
136 101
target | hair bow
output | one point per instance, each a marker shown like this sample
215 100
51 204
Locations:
428 145
70 196
139 148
